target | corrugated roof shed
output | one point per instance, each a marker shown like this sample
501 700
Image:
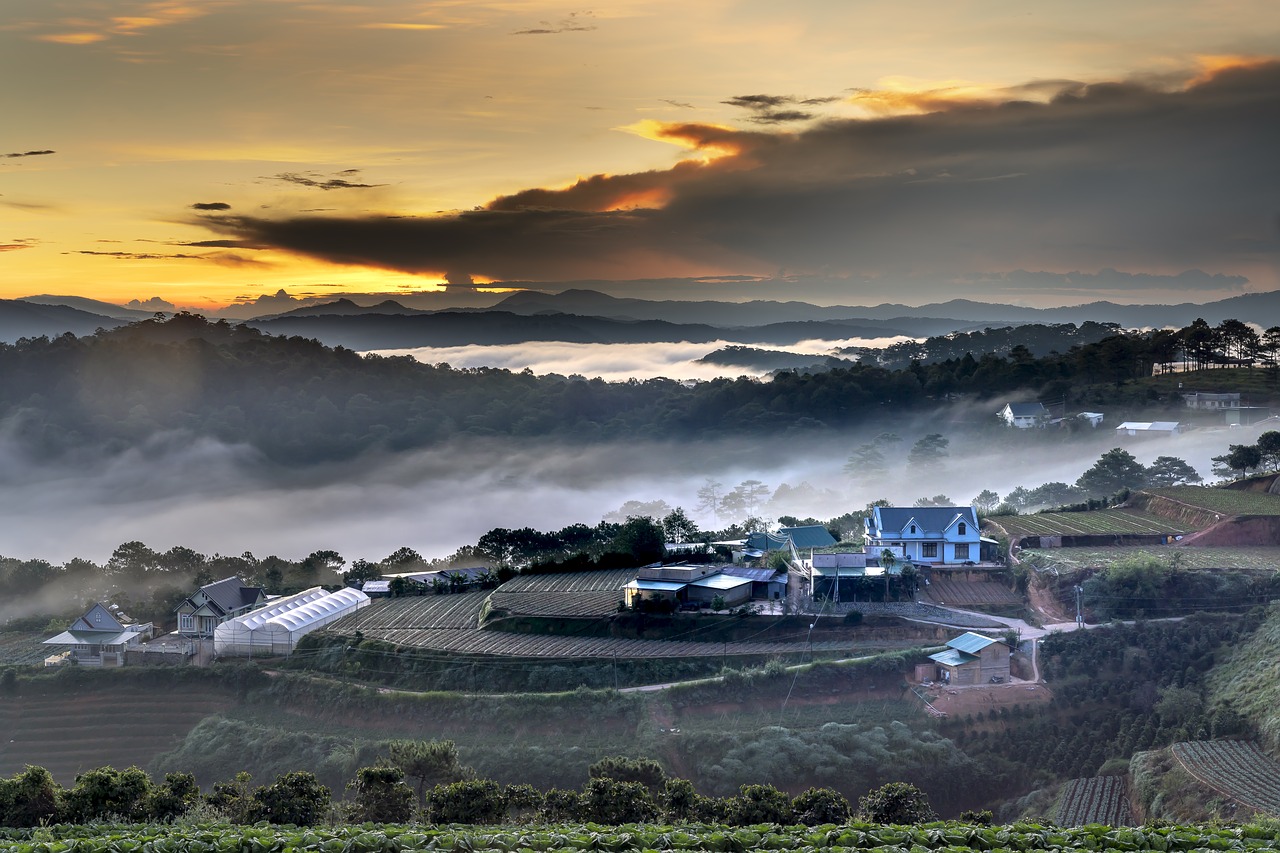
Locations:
656 586
369 587
952 657
758 575
1028 410
720 581
971 642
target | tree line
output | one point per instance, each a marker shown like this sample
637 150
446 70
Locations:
299 402
620 790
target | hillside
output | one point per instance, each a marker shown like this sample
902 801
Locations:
1249 679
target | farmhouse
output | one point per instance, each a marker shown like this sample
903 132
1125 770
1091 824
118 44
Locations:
934 535
1024 415
97 638
1202 400
215 603
972 659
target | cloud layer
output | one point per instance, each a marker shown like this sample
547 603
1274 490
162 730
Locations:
1116 175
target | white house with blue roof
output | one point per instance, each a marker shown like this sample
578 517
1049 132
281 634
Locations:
929 535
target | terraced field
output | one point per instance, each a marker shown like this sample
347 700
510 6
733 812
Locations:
1225 501
1234 768
25 648
1241 559
1118 521
443 612
574 594
961 593
1096 799
71 733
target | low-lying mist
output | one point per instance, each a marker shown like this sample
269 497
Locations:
618 362
218 498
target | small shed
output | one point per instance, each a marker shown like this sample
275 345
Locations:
734 591
765 583
647 589
972 659
376 589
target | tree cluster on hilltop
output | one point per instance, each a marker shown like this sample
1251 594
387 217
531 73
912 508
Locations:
297 401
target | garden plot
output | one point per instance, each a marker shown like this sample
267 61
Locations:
437 612
1097 799
1225 501
1094 523
1234 768
1260 559
24 648
580 594
957 592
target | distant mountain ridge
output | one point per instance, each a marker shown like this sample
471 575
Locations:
20 319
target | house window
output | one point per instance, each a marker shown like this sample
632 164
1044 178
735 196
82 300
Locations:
962 528
962 551
186 622
929 549
913 530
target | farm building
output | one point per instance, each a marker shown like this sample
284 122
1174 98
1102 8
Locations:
97 638
215 603
276 628
839 576
1202 400
376 589
972 659
1149 428
1024 415
701 583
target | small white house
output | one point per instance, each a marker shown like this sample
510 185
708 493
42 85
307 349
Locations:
936 535
1094 418
1024 415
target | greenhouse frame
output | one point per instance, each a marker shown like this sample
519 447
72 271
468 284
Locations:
276 628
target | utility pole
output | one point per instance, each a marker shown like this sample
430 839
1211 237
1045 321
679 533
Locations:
1079 590
615 670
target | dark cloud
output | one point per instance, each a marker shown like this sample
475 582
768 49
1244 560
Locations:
30 153
218 244
1120 176
312 179
777 109
1105 280
19 243
138 256
574 23
211 205
681 104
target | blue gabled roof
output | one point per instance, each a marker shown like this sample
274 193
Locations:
809 536
766 542
932 519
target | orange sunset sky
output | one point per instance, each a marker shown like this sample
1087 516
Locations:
846 152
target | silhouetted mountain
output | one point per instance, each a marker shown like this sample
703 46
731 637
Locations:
343 308
390 331
92 306
22 319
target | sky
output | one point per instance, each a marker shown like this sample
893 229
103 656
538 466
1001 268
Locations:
199 154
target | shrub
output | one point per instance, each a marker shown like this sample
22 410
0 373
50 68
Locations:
896 802
609 801
820 805
295 798
379 795
759 804
475 801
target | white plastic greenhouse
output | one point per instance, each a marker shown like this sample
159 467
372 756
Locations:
276 628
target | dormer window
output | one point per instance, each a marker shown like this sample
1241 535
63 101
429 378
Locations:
913 529
962 528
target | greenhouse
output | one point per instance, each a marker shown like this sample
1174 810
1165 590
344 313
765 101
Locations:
276 628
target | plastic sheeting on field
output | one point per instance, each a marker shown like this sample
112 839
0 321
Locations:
276 628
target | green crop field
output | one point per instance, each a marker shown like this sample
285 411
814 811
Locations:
1087 523
952 837
25 648
1236 769
1096 799
1259 559
1225 501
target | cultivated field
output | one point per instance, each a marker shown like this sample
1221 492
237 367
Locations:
1097 799
961 593
1244 559
1236 769
1105 521
439 612
573 594
125 727
24 647
1225 501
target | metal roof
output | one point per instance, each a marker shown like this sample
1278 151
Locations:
231 593
841 571
953 657
809 536
766 541
930 519
759 575
1150 426
720 581
644 584
1027 410
844 561
95 638
971 642
376 586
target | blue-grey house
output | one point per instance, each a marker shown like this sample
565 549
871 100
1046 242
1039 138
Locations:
930 535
